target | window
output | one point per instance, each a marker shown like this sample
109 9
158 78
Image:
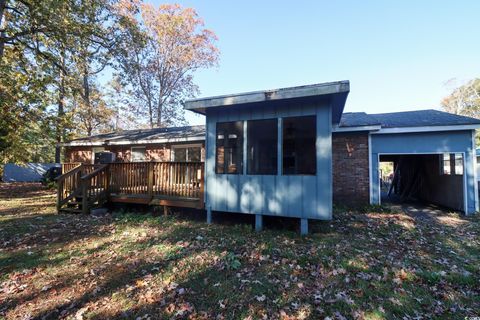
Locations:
262 137
186 153
229 145
96 150
458 163
138 154
445 165
299 151
449 161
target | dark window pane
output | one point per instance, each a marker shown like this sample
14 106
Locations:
180 154
262 146
229 145
299 152
194 154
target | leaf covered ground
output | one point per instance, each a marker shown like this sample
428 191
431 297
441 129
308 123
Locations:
139 266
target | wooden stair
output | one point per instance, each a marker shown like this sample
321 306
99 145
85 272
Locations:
82 188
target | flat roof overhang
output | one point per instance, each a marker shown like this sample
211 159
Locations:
336 91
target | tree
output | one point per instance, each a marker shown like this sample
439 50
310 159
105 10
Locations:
464 100
162 48
24 120
94 116
125 113
64 43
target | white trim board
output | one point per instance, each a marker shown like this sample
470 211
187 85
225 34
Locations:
337 128
132 142
427 129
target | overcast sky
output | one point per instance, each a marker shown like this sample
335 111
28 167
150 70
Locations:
398 55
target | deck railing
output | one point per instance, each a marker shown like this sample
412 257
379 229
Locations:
176 179
142 182
66 167
68 186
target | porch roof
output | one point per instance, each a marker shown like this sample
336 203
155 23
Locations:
336 91
143 136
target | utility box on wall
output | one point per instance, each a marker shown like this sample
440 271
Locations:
104 157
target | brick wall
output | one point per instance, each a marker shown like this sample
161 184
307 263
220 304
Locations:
78 154
350 168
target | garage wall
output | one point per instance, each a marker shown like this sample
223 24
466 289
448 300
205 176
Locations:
427 142
444 190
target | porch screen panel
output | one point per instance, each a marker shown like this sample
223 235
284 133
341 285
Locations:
262 144
299 151
229 147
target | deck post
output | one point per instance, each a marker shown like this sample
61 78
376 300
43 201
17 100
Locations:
150 180
303 227
84 197
209 215
258 222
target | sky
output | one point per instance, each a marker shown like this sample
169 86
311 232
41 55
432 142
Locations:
397 55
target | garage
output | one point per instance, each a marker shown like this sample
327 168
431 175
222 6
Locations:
433 165
425 179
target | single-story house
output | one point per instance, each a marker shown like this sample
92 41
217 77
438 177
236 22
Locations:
294 152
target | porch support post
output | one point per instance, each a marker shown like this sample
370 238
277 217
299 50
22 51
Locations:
209 215
303 227
258 222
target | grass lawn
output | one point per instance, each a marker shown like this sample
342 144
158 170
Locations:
137 266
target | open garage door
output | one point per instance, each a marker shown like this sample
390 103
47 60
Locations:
428 178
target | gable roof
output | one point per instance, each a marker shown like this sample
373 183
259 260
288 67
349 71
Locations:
419 118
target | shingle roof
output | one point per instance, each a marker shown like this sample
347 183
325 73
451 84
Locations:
418 118
166 134
357 119
349 119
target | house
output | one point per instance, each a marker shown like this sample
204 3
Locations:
293 152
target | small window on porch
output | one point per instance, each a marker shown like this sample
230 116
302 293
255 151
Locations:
138 154
262 146
299 151
229 147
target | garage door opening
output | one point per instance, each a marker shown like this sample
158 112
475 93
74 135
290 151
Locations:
426 178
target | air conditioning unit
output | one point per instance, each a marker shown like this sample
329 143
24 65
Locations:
104 157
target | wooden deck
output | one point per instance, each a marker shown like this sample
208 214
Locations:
177 184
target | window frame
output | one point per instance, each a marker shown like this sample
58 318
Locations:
282 156
240 146
186 147
144 153
443 161
247 142
455 164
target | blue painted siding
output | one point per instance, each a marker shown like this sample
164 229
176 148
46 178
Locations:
300 196
427 143
30 172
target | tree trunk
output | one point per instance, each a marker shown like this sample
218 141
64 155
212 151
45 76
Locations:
60 130
2 10
86 97
159 115
150 111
